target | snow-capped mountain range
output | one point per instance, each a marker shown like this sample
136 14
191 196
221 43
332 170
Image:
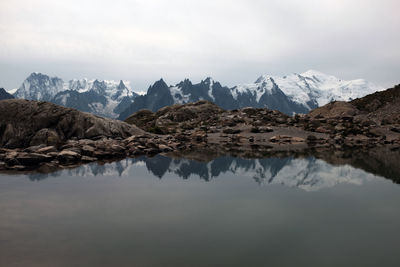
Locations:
104 98
310 89
294 93
308 174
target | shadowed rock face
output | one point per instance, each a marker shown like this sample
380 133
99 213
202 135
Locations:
4 94
158 96
25 123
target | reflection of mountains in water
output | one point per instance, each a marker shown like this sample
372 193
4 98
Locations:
309 173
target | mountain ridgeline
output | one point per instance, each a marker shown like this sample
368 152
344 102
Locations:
103 98
294 93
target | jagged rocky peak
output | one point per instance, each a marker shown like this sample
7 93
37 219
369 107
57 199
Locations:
159 85
186 82
121 91
39 86
4 94
124 90
160 82
121 85
208 81
99 87
78 85
101 97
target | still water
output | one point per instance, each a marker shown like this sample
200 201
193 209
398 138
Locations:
177 212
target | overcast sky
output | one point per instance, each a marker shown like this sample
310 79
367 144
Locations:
232 41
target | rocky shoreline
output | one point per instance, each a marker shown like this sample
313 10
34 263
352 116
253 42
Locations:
44 158
75 152
42 136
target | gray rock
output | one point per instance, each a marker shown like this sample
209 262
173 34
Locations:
47 137
47 149
31 159
87 150
164 148
24 123
67 156
88 159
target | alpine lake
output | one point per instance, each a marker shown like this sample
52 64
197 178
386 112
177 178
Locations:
165 210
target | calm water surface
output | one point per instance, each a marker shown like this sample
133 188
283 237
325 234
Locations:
176 212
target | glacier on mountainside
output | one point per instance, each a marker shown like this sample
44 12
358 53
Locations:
309 87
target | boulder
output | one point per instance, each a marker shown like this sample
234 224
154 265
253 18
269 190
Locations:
87 150
88 159
47 149
164 148
67 156
298 139
47 137
31 159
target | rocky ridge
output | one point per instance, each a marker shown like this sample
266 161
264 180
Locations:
103 98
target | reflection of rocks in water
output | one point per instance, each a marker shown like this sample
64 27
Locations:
158 165
118 168
186 168
383 161
307 172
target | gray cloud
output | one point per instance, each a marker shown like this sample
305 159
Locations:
232 41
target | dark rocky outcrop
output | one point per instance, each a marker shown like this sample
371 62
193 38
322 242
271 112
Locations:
204 123
158 96
4 95
171 118
24 123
